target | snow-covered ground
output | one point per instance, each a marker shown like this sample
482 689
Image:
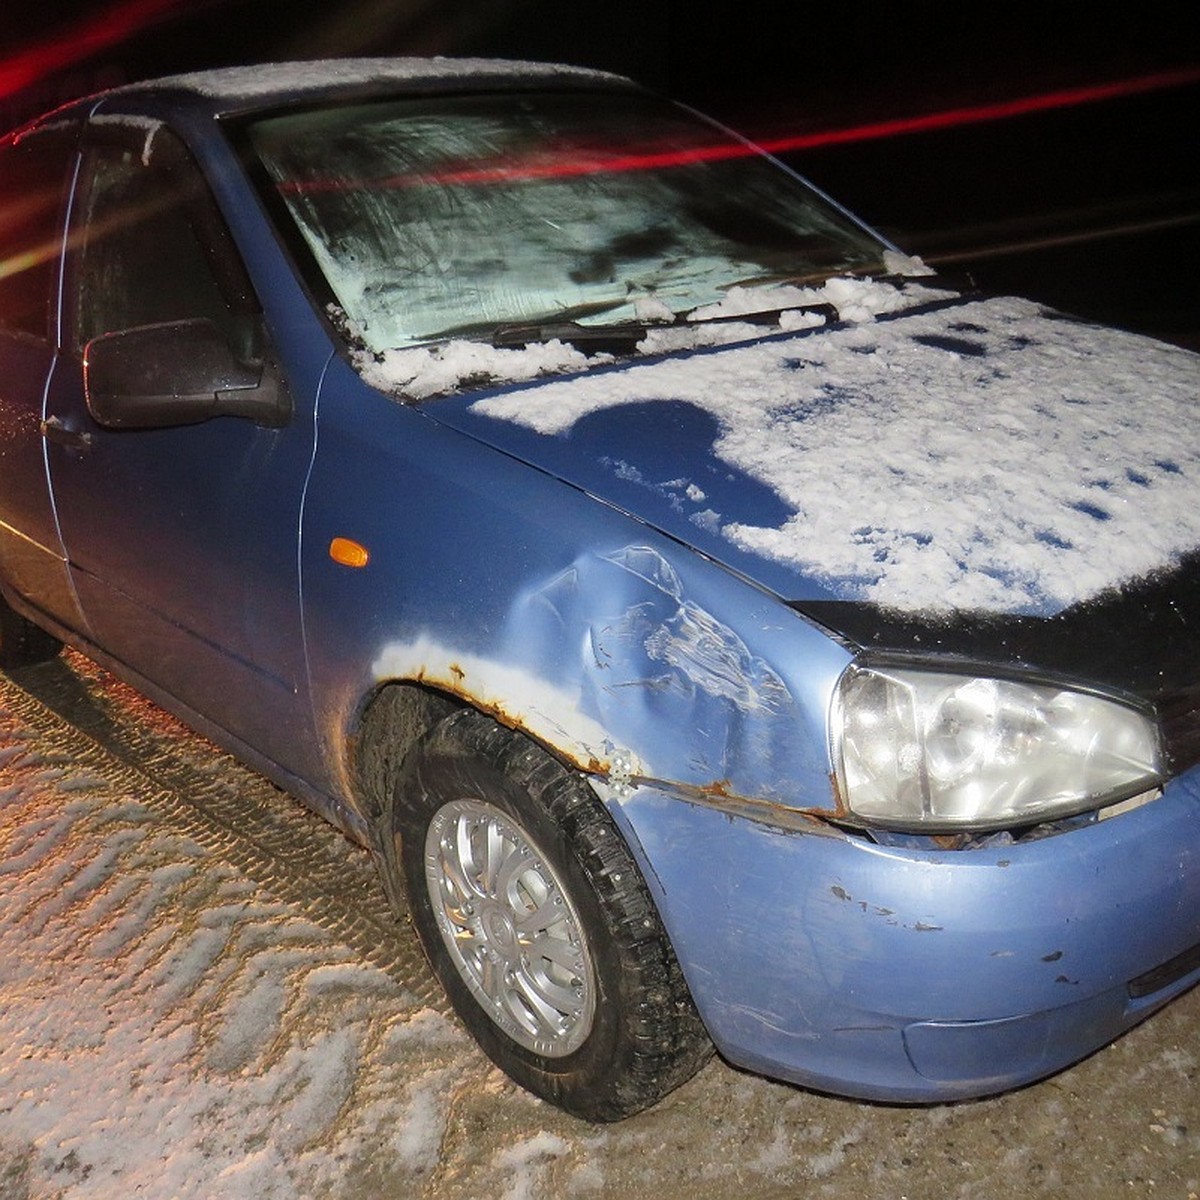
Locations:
202 995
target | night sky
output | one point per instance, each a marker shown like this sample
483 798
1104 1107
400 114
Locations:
1094 207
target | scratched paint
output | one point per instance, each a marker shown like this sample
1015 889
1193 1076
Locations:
548 711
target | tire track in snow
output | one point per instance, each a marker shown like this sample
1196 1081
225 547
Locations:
202 990
110 734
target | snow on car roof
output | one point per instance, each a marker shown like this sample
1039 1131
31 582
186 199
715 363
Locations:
285 80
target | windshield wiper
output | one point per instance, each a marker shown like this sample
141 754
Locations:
623 337
619 338
770 316
951 281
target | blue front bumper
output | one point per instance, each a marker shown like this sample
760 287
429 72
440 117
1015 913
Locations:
888 974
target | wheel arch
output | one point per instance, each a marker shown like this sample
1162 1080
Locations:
397 713
388 721
21 641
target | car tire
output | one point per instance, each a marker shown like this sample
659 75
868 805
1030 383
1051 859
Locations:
538 923
21 641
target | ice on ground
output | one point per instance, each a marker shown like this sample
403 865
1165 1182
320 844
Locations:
523 1159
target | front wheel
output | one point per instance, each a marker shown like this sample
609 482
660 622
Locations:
538 923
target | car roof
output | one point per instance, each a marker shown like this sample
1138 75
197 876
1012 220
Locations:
238 89
235 91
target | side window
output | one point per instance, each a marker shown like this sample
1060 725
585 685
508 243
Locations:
33 176
151 246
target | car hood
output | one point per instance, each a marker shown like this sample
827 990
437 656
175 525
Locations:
985 456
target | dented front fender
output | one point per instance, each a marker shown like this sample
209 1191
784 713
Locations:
621 664
626 653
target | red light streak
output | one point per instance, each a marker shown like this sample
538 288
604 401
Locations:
999 111
586 164
608 163
73 45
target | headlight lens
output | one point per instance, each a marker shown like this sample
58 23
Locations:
933 751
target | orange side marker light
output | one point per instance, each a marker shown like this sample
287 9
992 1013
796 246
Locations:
349 553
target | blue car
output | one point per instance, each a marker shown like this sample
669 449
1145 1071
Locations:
722 630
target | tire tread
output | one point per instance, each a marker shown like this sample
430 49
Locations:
664 1041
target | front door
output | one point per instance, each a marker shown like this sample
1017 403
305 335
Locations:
34 173
182 542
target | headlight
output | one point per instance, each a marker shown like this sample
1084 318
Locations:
933 751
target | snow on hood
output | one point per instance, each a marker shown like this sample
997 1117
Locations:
989 455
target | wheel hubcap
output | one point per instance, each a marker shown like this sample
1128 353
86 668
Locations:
510 927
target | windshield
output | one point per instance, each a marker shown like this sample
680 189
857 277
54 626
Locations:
431 217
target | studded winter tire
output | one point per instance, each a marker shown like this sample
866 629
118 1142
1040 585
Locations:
538 923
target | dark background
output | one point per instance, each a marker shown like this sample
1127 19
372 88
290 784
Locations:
1093 207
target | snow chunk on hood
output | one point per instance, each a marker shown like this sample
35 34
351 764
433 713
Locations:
855 299
986 456
423 371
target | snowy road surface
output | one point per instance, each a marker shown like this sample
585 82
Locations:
203 995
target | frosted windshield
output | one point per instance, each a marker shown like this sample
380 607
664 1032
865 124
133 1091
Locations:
438 217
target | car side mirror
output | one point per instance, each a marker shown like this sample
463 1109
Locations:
177 373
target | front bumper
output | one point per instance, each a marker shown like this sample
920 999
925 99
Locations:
888 974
